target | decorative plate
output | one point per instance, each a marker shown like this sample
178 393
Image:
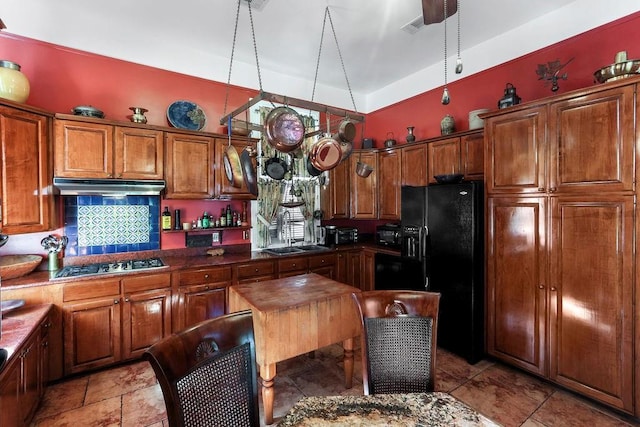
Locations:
186 115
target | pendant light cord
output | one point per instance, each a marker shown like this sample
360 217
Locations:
445 43
458 6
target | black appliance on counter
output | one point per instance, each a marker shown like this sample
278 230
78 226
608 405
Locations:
443 251
388 235
340 235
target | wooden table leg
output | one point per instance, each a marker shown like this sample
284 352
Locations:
267 376
348 362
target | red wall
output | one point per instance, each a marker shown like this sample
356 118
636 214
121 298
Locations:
590 52
62 78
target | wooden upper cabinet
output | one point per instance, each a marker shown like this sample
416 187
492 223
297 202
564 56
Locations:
472 156
389 181
83 150
26 202
592 142
224 188
189 166
101 150
414 165
139 153
334 197
444 157
364 190
516 151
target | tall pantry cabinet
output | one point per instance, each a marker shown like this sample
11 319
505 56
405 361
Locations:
560 240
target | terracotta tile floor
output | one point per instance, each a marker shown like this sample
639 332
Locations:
128 395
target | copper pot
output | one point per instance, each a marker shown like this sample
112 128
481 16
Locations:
326 153
284 129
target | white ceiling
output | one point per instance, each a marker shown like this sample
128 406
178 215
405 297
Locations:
195 37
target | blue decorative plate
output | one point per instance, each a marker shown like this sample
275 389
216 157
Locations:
186 115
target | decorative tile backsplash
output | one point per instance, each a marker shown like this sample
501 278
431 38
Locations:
102 225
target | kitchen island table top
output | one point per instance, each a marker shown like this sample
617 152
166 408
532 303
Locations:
296 315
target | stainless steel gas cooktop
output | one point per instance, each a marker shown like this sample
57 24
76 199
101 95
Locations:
129 266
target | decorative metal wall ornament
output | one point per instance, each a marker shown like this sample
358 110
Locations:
549 72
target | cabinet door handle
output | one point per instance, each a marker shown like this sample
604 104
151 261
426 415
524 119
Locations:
552 190
116 301
45 343
206 276
206 288
126 299
257 270
109 175
553 288
540 286
541 189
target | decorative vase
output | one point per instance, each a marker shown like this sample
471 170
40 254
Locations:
410 137
447 125
138 114
13 84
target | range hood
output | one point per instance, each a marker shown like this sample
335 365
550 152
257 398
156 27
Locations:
108 187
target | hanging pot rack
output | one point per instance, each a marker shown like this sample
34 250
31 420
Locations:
292 102
230 119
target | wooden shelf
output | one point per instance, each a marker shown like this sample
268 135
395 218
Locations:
208 230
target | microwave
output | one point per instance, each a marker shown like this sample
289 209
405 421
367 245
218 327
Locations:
388 235
346 235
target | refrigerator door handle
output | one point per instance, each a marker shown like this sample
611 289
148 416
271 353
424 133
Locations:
424 233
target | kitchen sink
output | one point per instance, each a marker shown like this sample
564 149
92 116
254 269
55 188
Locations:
283 251
288 250
313 248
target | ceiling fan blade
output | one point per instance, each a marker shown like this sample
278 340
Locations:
433 10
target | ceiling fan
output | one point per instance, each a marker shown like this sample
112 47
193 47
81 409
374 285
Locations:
433 10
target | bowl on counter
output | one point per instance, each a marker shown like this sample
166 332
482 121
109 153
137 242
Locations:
12 266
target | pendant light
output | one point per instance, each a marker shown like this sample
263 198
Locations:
445 94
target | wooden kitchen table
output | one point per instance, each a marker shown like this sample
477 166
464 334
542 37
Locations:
293 316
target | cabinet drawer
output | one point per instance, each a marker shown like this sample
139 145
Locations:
205 275
92 289
293 264
146 283
253 269
316 261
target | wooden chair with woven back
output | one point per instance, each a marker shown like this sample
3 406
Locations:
399 338
207 373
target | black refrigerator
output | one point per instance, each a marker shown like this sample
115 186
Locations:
443 248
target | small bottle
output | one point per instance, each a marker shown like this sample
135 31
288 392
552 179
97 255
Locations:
205 220
223 218
199 222
194 224
166 219
229 216
244 213
234 219
217 222
177 224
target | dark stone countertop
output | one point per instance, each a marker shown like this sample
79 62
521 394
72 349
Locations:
177 260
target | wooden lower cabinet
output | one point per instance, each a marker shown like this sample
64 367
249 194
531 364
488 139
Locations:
323 265
368 276
103 325
23 380
9 392
202 295
254 271
560 291
348 267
